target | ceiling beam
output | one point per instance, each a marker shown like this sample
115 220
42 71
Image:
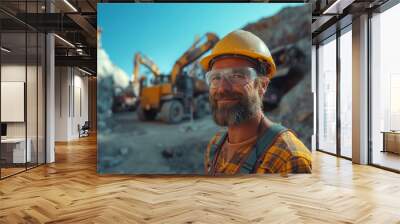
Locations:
337 6
90 31
81 61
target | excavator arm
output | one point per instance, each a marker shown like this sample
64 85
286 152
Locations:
142 59
193 53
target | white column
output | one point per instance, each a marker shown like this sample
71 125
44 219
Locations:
50 93
360 90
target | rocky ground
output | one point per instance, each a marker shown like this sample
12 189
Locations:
131 146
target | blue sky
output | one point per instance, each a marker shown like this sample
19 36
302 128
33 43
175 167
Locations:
163 32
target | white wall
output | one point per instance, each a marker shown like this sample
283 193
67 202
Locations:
62 81
13 101
81 94
71 94
12 73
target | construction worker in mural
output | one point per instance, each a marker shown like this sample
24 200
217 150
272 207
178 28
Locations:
239 70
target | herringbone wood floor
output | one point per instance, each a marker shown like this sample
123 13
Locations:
70 191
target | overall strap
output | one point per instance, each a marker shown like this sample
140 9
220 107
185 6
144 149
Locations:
262 145
214 152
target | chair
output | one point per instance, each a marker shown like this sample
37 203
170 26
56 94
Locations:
84 130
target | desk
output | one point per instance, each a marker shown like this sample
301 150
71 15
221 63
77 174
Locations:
391 141
16 147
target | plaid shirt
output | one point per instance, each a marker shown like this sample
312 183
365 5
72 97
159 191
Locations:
286 155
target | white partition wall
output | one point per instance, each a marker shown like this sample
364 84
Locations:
14 68
23 87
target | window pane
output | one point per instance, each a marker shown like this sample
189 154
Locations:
385 89
13 87
346 94
31 98
327 97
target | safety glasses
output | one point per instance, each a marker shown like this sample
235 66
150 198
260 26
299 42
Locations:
235 76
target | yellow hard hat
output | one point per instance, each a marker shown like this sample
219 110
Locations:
244 43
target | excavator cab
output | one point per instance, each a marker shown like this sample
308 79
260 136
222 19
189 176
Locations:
161 79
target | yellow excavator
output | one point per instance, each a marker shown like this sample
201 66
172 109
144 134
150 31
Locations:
128 99
141 59
173 96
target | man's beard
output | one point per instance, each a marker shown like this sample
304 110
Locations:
245 108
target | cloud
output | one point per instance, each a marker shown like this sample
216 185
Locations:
105 68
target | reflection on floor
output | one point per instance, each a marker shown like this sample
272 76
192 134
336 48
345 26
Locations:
387 159
10 169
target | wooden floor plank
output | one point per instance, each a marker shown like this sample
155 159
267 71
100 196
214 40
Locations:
70 191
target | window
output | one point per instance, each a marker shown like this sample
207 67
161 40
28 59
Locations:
327 96
385 89
346 94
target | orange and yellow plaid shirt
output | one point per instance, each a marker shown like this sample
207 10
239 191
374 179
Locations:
287 154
